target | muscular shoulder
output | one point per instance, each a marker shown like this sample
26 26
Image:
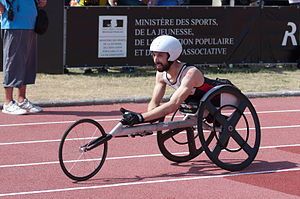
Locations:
159 77
193 75
192 72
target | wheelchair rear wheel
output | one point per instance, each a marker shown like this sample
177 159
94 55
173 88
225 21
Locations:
236 128
180 145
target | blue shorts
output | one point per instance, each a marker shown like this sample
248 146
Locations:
19 57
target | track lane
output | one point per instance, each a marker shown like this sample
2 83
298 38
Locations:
120 147
138 177
134 170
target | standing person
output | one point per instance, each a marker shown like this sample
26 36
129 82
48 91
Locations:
188 81
19 53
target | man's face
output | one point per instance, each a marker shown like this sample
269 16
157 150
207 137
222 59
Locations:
160 60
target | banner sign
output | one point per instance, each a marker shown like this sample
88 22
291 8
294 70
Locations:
120 36
112 36
280 34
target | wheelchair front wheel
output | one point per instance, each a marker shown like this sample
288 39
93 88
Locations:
76 161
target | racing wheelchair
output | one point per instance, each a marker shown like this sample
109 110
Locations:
227 131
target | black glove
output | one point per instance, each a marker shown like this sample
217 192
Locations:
130 118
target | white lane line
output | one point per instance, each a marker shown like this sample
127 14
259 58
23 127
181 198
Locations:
109 158
148 182
43 141
118 119
279 111
29 142
58 140
48 123
130 157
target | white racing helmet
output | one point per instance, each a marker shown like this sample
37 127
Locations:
168 44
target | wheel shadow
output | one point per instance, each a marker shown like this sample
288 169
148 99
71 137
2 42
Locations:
203 168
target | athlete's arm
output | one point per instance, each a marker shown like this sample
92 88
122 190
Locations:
158 91
192 78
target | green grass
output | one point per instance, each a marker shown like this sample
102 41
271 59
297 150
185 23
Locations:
76 85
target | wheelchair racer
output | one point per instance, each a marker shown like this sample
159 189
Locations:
189 82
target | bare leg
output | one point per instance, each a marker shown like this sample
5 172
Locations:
21 93
8 95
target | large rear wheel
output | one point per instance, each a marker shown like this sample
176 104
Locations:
236 128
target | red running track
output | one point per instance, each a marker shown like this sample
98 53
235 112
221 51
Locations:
135 168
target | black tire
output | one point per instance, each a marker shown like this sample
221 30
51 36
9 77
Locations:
240 128
171 144
76 162
173 137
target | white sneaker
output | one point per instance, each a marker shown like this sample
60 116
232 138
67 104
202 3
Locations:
31 108
13 108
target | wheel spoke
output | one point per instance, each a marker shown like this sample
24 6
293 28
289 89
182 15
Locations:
167 135
191 142
224 136
237 114
216 151
211 108
77 163
233 101
216 114
242 143
169 147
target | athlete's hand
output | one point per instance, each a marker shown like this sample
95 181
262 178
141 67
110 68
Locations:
130 118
